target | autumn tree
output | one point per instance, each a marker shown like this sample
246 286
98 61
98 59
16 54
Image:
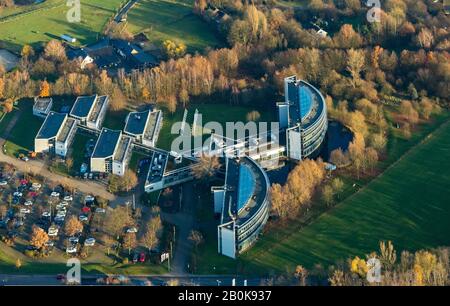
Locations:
206 167
339 158
45 89
27 51
173 50
18 263
347 38
355 64
371 156
253 116
129 180
408 111
118 100
152 233
338 186
38 237
327 195
356 150
116 220
129 241
54 50
73 226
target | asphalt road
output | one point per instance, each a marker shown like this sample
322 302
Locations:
156 280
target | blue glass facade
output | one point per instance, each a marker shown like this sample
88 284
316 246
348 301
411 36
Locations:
306 101
246 185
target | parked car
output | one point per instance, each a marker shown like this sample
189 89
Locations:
73 240
142 257
135 257
25 210
71 249
54 194
132 230
53 231
83 218
49 243
89 242
68 198
28 203
46 214
25 159
17 194
3 183
100 210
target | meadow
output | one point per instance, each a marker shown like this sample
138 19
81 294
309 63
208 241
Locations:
174 20
407 204
39 23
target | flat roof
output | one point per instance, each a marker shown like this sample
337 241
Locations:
106 143
67 127
51 125
136 122
42 104
83 106
122 149
101 101
152 125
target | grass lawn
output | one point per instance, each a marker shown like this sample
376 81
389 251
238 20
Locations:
21 138
406 204
31 266
171 19
48 20
221 113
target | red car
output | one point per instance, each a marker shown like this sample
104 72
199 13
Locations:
142 257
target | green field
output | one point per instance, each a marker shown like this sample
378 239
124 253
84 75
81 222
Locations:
21 138
407 204
171 19
39 23
221 113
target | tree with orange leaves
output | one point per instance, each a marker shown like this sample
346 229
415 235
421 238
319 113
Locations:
45 89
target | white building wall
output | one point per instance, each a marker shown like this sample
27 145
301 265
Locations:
61 148
118 168
294 144
227 242
41 145
218 200
98 165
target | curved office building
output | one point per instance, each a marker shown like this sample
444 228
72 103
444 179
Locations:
303 117
243 204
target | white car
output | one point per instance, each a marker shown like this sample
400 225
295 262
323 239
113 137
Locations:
53 231
25 210
17 194
68 198
59 218
3 183
49 243
74 240
89 242
83 218
28 203
36 186
46 214
25 159
132 230
100 210
71 249
89 198
54 194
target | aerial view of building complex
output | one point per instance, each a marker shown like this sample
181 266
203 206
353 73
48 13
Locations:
208 143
